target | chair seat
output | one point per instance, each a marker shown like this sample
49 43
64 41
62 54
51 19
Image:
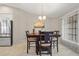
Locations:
44 41
32 39
54 40
45 44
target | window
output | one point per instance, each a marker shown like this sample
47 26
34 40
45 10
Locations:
5 27
73 22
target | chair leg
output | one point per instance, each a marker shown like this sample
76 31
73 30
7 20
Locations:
51 54
50 50
27 47
53 44
40 51
57 45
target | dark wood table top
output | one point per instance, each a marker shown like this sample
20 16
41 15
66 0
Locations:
36 35
33 35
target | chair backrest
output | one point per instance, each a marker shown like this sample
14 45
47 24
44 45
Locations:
46 36
56 32
27 32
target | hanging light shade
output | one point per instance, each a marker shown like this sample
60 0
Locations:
40 17
44 17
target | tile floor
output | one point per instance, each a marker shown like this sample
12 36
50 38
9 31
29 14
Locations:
21 50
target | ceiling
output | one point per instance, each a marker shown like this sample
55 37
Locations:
48 9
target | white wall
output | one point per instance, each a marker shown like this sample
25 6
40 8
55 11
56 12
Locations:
23 21
52 24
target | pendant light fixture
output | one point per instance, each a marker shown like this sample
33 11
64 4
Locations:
42 17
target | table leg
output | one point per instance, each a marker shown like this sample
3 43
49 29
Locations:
57 44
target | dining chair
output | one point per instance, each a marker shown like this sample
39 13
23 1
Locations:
45 43
29 40
54 40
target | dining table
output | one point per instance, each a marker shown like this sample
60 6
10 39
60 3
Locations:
37 36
